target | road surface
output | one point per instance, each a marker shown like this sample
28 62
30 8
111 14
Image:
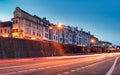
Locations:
97 64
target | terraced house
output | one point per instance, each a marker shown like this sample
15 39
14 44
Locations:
27 26
6 29
32 27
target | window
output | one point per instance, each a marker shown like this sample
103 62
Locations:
46 35
1 30
16 21
17 15
13 22
27 30
15 30
56 33
46 29
8 31
5 30
54 37
33 33
38 34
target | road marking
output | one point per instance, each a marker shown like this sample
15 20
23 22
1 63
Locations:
31 65
65 73
112 68
45 67
36 69
91 65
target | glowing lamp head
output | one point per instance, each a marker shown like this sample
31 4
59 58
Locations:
59 25
92 40
103 44
50 27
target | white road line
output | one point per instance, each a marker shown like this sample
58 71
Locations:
112 68
46 67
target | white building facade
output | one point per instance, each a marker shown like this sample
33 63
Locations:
32 27
29 27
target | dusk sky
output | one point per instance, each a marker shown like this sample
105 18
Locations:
100 17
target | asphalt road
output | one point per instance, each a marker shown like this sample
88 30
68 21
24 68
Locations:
99 64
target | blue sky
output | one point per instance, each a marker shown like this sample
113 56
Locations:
100 17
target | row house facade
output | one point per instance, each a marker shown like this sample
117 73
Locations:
105 44
6 29
94 41
32 27
84 38
71 35
53 33
27 26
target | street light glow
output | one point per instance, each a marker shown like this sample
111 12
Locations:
92 40
50 28
59 25
103 44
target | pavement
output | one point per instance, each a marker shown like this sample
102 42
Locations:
96 64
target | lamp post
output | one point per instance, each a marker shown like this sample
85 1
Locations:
51 38
60 27
92 42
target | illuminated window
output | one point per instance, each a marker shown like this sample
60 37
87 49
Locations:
5 30
33 33
15 30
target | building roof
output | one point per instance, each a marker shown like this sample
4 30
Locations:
106 42
6 24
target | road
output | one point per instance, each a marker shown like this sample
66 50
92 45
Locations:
97 64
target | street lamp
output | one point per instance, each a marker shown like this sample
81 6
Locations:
103 44
50 28
60 26
92 42
51 38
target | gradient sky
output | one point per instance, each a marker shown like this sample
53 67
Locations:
100 17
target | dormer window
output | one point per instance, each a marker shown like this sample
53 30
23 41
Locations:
17 15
